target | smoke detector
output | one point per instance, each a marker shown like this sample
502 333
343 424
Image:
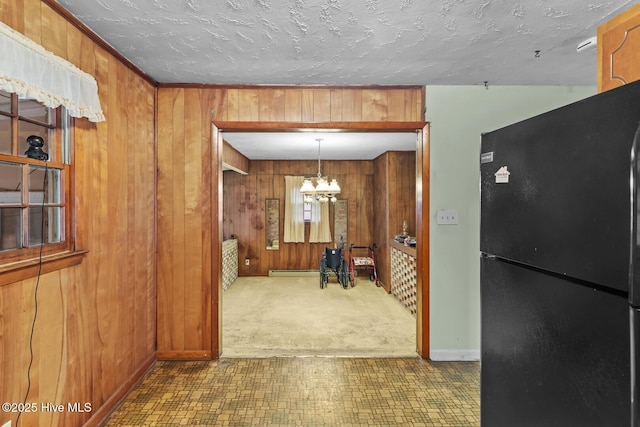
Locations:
588 45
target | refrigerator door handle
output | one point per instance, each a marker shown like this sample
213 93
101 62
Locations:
634 250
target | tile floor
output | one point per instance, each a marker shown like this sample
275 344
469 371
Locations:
305 391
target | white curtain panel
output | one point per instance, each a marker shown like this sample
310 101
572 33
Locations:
293 210
319 231
32 72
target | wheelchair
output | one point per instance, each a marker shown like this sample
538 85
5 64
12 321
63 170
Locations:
363 258
333 261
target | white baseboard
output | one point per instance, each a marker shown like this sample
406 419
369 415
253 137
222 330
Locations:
455 355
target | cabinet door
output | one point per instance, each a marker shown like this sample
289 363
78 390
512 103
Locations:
619 50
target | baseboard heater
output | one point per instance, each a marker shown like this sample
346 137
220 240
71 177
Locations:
293 273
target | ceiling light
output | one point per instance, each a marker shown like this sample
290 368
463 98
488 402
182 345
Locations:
323 191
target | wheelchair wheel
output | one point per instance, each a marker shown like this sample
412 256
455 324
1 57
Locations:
344 275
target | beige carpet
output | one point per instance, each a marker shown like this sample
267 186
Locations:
292 316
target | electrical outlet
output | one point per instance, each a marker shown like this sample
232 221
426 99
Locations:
247 261
7 424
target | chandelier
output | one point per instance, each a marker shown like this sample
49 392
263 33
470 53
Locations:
323 191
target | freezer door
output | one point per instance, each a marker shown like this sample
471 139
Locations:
555 189
554 353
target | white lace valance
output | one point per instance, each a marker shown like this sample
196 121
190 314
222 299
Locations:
30 71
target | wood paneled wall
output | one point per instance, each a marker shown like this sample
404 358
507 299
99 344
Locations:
185 279
619 50
395 184
310 105
96 328
184 223
244 212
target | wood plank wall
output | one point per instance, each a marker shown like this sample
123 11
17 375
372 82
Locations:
244 212
395 184
184 224
314 105
96 324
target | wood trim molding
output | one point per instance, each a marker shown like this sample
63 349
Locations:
339 126
422 215
22 270
185 355
257 86
422 248
217 212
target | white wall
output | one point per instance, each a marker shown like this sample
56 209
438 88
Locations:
458 116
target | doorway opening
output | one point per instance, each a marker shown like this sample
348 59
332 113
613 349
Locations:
419 130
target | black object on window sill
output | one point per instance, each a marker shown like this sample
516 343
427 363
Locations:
35 150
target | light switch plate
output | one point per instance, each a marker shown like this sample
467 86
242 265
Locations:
447 217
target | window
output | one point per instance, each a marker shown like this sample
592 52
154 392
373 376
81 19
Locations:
306 212
34 215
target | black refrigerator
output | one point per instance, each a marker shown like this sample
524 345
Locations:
560 275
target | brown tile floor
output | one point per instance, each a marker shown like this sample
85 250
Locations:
306 391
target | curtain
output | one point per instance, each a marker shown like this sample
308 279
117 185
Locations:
319 231
293 210
30 71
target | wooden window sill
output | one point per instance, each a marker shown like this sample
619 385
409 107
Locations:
22 270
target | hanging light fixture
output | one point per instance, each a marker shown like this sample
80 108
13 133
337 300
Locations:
323 191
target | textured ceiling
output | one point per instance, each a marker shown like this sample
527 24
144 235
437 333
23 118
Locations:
353 42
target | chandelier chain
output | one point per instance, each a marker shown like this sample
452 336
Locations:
319 140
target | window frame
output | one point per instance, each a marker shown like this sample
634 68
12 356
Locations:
24 262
